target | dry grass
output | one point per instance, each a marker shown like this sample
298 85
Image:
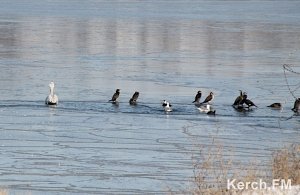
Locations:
286 164
3 192
207 177
214 167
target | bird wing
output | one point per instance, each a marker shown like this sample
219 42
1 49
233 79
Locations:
249 102
238 100
55 99
207 99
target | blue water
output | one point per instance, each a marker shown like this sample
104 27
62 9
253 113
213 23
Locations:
163 49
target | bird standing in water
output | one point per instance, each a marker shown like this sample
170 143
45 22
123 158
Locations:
239 99
296 105
115 96
134 98
52 98
243 99
209 98
197 97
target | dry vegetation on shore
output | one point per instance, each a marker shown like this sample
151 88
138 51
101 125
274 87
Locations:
215 167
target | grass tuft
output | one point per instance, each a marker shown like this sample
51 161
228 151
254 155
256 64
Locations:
286 164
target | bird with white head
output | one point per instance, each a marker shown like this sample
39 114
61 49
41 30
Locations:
52 98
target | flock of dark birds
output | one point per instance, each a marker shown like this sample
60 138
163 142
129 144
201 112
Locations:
241 103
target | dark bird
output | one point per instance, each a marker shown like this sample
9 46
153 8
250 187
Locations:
134 98
296 105
275 105
197 97
244 98
211 112
249 103
115 96
209 98
239 99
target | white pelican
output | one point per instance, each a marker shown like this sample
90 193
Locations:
52 98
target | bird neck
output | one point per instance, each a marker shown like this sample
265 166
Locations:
51 91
